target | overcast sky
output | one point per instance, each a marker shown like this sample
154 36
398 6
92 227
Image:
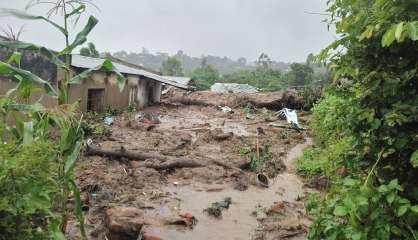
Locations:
233 28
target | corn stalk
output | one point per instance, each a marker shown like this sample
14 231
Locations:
41 120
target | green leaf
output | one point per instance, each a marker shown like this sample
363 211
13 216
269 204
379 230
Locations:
402 210
36 107
15 58
414 159
81 37
389 36
106 66
72 158
27 132
399 31
10 71
26 16
412 29
35 48
390 198
414 209
76 11
368 33
340 211
78 208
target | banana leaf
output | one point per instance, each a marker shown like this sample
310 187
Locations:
17 73
106 66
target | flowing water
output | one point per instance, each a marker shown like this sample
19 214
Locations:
237 222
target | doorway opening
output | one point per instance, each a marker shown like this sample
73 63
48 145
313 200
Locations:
95 100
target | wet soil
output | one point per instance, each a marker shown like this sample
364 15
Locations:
255 213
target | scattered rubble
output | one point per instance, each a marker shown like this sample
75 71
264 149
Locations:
165 176
216 209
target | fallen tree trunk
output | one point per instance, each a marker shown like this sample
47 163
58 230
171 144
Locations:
178 163
166 162
123 153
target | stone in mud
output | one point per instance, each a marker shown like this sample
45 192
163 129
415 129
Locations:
124 223
291 224
135 164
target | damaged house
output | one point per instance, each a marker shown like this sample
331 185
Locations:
99 91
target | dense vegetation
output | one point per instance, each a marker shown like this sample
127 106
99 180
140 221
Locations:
262 75
366 127
39 146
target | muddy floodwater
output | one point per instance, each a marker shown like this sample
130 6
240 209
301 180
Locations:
238 222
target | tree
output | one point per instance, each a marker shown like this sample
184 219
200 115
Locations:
264 61
172 67
310 60
368 123
90 50
205 75
300 74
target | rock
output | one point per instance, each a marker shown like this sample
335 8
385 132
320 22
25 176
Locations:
124 223
291 224
135 164
277 207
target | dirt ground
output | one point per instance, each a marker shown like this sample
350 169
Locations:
127 199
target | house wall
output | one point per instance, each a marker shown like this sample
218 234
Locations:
46 100
156 92
112 96
140 90
143 93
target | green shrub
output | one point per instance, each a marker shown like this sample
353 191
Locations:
364 212
374 103
29 191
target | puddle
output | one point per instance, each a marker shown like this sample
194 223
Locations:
237 222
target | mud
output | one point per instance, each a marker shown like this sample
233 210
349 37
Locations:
188 131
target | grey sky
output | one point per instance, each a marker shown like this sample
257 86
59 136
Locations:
233 28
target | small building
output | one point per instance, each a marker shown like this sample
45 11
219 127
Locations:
99 91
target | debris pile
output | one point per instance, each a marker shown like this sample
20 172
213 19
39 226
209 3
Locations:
232 88
163 170
270 100
216 209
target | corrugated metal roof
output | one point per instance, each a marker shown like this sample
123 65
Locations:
181 80
90 62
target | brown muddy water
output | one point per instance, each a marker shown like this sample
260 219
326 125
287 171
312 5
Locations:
237 222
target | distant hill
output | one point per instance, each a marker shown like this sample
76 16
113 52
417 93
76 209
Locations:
224 65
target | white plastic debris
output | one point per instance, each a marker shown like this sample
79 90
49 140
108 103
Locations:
291 116
233 88
108 121
225 109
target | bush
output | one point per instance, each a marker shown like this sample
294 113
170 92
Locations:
361 212
373 106
29 191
